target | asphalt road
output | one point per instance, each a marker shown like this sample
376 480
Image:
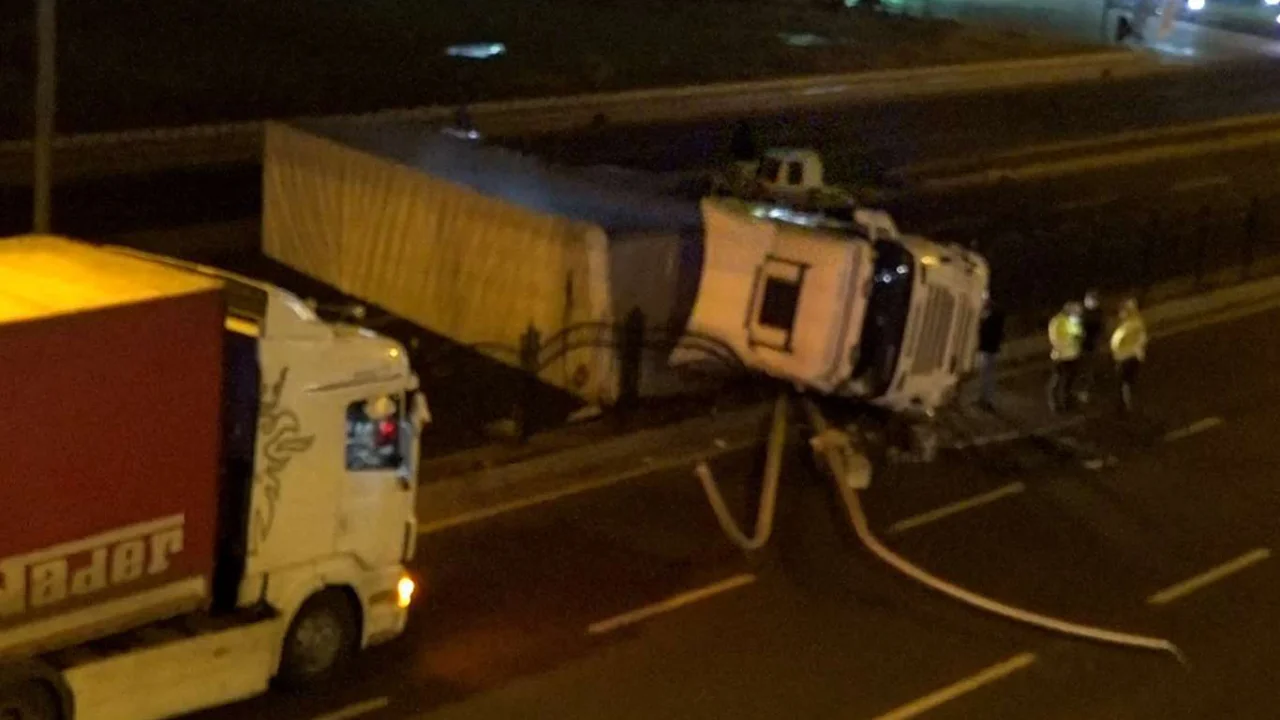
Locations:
534 614
861 143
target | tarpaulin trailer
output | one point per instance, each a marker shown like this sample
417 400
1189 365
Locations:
478 244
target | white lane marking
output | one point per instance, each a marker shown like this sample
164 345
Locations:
672 603
956 507
1089 203
968 685
356 710
1186 587
1129 136
1200 183
1194 428
1097 464
824 90
646 468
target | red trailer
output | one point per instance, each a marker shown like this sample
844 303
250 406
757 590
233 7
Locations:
110 429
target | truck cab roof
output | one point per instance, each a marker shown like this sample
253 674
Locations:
253 307
44 276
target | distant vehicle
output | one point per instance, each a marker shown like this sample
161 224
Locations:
216 488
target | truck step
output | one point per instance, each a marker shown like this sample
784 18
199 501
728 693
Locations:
150 636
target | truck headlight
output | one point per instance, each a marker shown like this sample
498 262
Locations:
404 592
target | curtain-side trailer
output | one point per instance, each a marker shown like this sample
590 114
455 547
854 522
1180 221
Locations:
210 487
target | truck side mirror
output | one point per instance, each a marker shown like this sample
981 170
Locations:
421 414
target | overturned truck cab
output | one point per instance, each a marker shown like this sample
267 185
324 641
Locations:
847 308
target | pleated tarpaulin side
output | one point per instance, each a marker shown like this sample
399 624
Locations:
470 267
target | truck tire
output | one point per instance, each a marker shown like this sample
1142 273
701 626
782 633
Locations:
322 639
28 700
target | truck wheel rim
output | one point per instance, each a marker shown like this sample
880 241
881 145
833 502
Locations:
317 643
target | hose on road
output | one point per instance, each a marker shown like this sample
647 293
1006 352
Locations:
769 494
841 471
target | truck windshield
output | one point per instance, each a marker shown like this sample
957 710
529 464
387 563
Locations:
887 309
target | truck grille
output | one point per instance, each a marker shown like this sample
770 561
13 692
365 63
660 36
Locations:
931 349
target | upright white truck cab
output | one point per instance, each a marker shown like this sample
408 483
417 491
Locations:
283 549
846 308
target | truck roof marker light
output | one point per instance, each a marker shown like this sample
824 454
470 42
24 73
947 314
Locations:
404 592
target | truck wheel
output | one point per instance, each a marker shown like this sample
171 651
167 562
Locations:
321 640
28 700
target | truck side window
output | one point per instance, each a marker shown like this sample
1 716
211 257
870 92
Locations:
795 173
770 169
373 434
781 302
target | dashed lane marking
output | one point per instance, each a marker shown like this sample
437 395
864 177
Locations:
955 508
935 699
1194 428
1231 567
674 602
357 709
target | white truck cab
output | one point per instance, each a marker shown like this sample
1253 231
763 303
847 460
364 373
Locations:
920 336
787 298
322 425
846 308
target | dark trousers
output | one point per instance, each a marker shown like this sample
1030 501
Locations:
1093 369
1128 380
1062 383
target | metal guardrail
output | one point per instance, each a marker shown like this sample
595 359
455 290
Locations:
152 150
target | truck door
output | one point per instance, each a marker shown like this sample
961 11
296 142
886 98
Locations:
378 512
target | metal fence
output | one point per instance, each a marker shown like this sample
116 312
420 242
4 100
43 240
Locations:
640 348
1040 258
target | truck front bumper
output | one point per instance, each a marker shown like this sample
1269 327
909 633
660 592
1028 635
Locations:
387 611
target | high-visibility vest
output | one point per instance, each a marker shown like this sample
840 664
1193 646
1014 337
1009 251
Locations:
1065 334
1129 339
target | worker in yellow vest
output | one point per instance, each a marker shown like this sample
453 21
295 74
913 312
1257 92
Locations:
1129 349
1066 333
